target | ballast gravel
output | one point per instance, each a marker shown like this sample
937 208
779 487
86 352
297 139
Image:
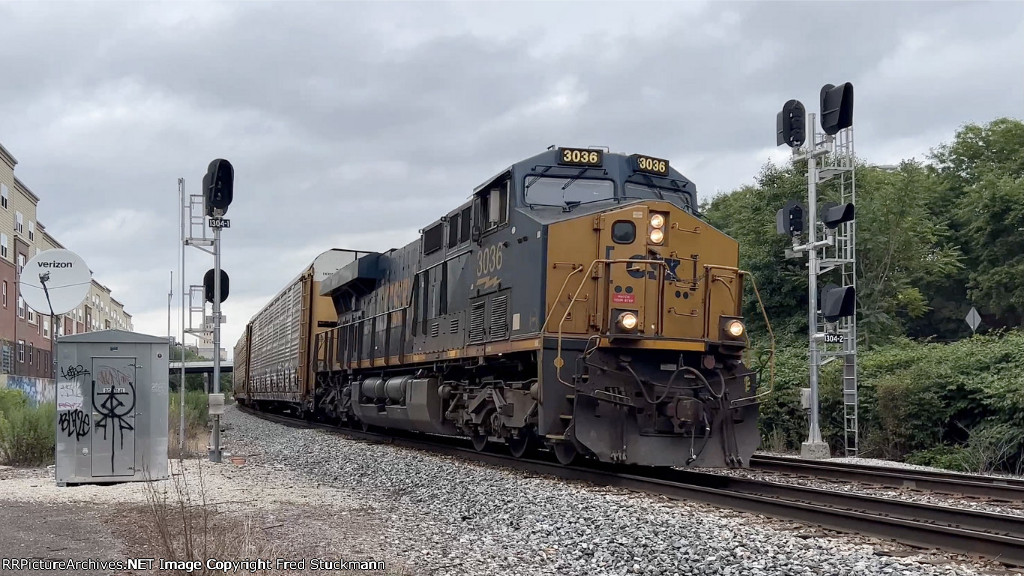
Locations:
445 516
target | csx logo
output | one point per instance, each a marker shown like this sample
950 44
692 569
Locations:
652 273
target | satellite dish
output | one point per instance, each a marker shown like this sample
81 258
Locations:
65 276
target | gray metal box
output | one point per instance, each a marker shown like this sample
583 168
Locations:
112 402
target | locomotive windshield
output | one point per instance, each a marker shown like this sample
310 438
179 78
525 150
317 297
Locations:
562 192
650 191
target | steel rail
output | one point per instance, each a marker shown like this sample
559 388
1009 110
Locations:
996 536
993 487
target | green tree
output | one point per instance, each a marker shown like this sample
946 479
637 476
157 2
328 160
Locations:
982 178
748 216
900 247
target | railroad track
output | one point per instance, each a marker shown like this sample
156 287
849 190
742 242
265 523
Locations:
988 487
996 536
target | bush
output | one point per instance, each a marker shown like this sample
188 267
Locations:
196 422
943 456
27 433
11 400
958 405
990 448
784 423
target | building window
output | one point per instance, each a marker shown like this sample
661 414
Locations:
31 353
5 294
3 195
46 327
3 245
31 230
21 263
19 222
21 307
21 351
31 315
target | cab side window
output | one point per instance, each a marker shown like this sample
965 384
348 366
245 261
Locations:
494 206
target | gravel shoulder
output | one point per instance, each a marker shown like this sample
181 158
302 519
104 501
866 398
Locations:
444 516
304 494
245 512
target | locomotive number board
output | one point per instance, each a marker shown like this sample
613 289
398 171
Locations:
580 157
651 165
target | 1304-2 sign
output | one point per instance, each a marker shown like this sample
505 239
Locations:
580 157
649 164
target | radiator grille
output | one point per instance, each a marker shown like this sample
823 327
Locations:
476 323
499 317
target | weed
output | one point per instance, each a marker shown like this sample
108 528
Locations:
27 433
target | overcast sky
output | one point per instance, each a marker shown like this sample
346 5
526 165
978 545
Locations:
353 125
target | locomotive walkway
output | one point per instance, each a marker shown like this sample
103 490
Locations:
996 536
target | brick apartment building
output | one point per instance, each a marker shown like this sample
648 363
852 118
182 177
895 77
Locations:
25 334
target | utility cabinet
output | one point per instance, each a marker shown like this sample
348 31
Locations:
112 402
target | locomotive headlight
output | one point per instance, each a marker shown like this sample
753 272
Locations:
627 321
657 236
657 221
735 328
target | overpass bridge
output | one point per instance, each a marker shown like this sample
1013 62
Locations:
201 367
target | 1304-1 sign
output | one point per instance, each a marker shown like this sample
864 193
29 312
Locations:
580 157
652 165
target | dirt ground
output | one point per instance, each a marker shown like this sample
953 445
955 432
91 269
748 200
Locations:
212 503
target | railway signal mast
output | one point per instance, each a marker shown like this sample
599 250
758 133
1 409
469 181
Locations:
218 188
832 329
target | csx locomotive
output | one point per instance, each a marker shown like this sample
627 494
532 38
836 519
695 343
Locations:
576 302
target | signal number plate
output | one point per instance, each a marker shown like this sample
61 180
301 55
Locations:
651 165
580 157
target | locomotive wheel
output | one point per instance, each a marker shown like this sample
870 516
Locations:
479 442
565 453
364 426
522 445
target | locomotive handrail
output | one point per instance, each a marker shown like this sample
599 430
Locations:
771 336
559 362
575 268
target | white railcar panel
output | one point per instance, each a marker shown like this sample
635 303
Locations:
274 353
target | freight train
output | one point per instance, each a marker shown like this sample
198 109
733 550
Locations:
575 303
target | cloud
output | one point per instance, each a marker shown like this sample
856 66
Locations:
356 124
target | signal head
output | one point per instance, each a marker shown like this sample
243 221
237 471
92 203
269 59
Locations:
832 214
836 107
790 126
838 302
218 186
789 221
208 291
